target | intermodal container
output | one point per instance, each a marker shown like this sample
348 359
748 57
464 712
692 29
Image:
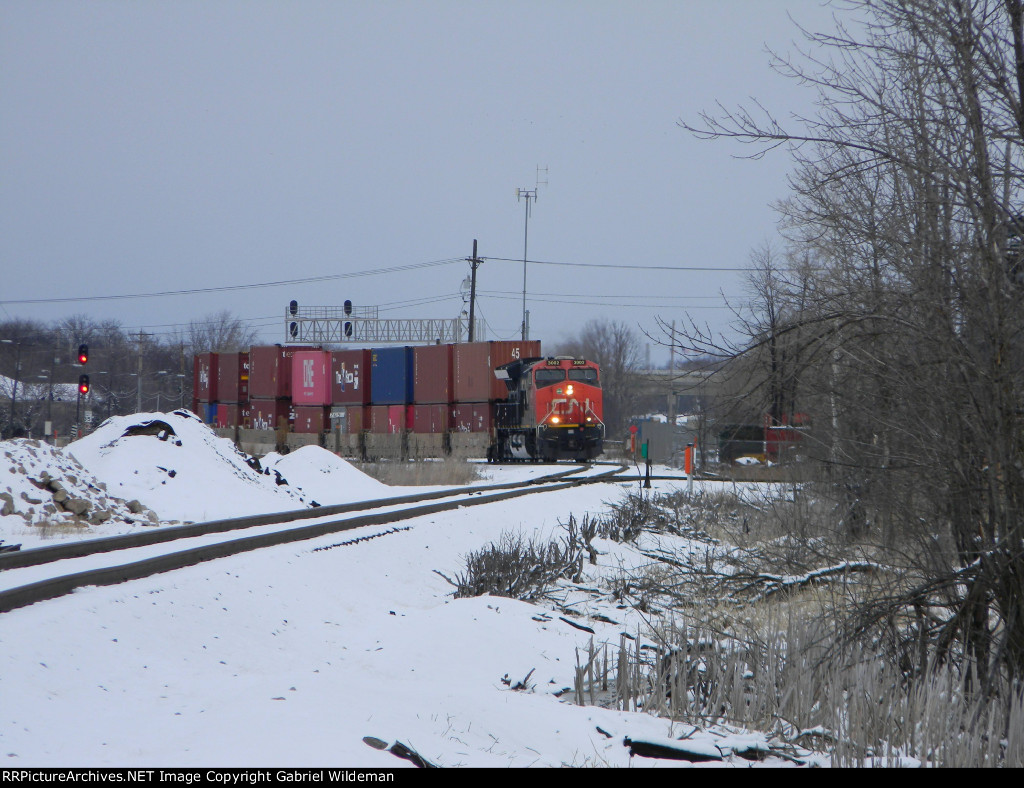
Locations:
268 414
430 418
473 365
339 417
207 411
432 374
357 419
233 377
391 376
472 417
204 377
350 377
388 419
230 414
312 418
270 371
311 378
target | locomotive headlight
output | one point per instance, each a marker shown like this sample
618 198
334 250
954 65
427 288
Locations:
555 419
589 419
568 390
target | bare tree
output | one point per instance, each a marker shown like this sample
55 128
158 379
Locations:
616 348
910 334
221 332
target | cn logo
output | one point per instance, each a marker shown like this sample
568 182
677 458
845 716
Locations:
307 373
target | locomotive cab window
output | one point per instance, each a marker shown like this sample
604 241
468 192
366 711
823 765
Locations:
548 377
587 375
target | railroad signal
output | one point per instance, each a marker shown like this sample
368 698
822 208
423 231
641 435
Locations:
83 384
83 354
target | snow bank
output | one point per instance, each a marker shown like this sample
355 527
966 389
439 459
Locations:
45 493
325 477
177 466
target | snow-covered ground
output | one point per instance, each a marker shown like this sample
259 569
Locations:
292 655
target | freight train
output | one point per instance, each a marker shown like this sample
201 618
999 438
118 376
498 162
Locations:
522 405
553 411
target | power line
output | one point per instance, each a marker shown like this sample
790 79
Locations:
227 288
622 265
646 305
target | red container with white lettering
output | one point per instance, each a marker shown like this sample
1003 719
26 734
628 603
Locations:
233 377
472 417
269 414
204 377
311 378
350 377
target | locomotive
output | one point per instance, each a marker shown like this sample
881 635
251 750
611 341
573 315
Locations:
553 411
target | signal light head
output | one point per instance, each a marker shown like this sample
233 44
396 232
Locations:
83 384
83 354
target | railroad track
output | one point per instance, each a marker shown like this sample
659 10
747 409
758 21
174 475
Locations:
63 568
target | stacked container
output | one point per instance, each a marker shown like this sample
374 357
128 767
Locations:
429 389
391 376
233 390
270 385
204 386
474 385
311 390
350 388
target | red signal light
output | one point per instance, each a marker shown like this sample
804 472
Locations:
83 354
83 384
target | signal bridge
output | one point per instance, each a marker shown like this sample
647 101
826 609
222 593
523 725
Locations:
363 326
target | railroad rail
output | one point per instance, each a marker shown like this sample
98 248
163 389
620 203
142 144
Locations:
61 584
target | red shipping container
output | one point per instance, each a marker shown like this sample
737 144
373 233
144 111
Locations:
311 378
473 365
357 419
233 377
204 377
270 370
268 413
472 417
350 377
230 414
312 418
432 374
430 418
387 419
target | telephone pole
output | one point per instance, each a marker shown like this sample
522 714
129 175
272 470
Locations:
474 262
138 379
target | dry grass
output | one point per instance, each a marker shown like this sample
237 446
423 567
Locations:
398 473
737 640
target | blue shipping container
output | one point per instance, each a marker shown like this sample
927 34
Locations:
209 414
391 376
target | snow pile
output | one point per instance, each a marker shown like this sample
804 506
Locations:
177 466
326 477
41 486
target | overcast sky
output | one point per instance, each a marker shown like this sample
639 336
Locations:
159 146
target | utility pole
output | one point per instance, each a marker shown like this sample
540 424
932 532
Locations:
17 375
474 262
138 387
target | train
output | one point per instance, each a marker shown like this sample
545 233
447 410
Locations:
522 405
554 411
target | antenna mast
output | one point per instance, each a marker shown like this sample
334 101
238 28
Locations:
528 194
